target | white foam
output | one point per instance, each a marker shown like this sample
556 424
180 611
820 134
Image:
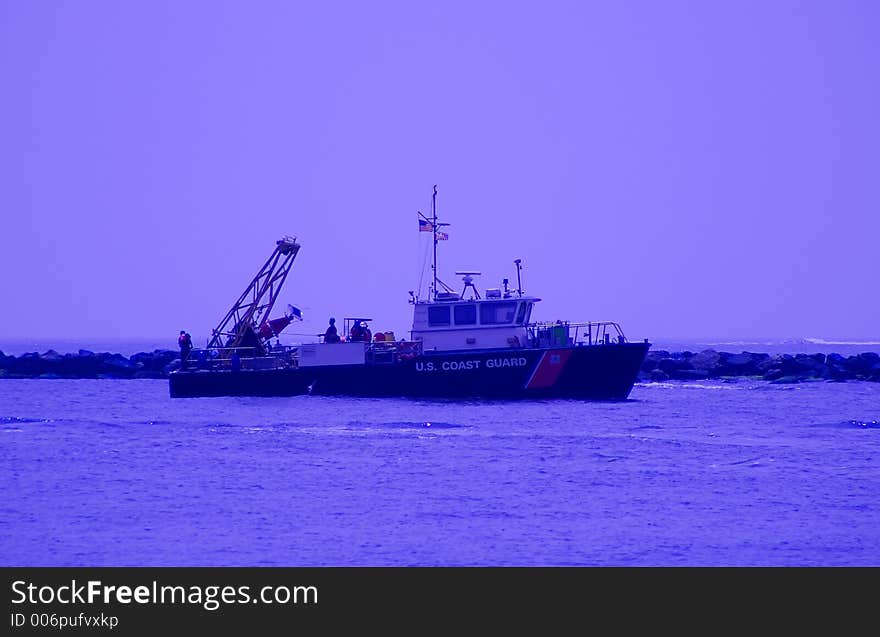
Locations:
682 385
821 341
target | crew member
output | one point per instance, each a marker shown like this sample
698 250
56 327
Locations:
357 332
331 336
186 345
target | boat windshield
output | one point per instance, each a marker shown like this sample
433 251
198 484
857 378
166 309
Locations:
438 315
497 313
465 314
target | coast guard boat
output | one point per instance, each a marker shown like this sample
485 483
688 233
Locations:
462 344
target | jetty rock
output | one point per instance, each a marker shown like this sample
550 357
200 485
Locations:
661 365
86 364
154 361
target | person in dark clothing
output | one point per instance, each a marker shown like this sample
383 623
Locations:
331 335
357 332
186 345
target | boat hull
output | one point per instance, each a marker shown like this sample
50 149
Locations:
599 372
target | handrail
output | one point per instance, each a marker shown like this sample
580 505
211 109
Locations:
594 333
541 334
287 356
229 358
385 352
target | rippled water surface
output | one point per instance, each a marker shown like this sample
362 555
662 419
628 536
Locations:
103 472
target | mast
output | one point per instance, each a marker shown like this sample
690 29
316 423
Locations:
436 235
434 230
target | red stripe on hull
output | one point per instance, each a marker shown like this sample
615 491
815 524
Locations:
548 369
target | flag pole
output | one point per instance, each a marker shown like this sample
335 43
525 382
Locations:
434 228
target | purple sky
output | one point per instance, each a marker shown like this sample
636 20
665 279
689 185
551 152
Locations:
685 168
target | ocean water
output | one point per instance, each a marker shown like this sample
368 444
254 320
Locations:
114 472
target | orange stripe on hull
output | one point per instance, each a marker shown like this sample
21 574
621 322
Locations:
548 369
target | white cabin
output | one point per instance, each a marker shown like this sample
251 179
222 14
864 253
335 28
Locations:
452 323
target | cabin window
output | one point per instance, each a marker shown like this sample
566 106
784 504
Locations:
438 315
528 313
521 315
497 313
465 314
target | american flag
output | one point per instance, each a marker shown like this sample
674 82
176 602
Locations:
425 226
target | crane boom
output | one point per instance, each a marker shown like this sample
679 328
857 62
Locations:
239 328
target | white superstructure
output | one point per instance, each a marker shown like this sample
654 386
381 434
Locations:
451 322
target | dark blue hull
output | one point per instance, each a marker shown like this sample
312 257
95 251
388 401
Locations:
599 372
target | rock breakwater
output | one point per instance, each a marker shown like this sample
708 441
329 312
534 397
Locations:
86 364
661 365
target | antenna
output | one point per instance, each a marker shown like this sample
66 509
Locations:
518 263
468 277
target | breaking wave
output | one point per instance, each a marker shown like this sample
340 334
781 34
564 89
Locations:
821 341
686 385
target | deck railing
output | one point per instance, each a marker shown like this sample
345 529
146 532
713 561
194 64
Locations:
287 356
385 352
237 358
559 333
548 334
